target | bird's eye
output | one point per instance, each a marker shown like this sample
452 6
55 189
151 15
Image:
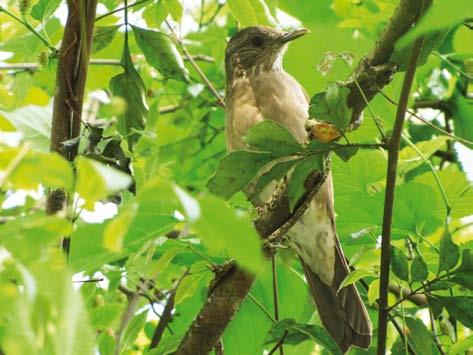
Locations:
257 41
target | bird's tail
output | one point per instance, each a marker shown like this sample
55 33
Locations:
342 312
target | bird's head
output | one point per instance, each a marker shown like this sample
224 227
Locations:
257 48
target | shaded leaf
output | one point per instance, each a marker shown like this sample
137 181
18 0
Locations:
297 182
131 88
332 106
297 333
103 36
449 251
419 271
270 136
464 274
460 307
236 170
345 153
399 263
419 336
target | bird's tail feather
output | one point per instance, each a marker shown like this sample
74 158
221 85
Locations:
342 312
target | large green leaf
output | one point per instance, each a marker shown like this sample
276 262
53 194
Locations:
236 170
34 122
30 171
464 274
419 336
224 230
460 307
161 53
103 36
419 271
441 15
131 88
270 136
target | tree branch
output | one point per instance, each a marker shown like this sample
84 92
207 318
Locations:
393 156
230 290
70 83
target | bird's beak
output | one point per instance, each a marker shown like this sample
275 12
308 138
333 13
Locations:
290 36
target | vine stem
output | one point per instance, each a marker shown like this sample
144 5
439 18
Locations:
393 157
98 18
275 295
30 28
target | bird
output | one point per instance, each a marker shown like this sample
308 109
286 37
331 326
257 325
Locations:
258 88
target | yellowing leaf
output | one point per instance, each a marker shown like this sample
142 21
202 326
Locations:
116 230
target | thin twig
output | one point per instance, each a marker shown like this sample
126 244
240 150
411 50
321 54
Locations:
393 157
30 28
191 60
167 314
275 294
120 9
430 124
260 306
278 344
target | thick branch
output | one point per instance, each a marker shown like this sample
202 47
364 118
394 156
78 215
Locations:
228 293
70 83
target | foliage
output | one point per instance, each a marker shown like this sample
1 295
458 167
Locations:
156 205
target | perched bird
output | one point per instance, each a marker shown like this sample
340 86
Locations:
259 89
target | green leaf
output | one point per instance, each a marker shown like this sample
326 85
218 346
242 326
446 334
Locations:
440 15
96 181
106 344
131 88
464 274
345 153
419 271
116 230
440 285
419 336
133 328
275 173
103 36
155 14
174 8
34 122
236 170
460 307
399 263
29 173
462 113
373 292
251 12
462 346
409 159
226 230
332 106
356 275
102 317
270 136
161 53
43 9
297 333
449 251
303 170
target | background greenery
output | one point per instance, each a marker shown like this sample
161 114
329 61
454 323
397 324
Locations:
152 138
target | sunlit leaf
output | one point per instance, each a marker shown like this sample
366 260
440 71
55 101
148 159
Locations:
161 53
44 9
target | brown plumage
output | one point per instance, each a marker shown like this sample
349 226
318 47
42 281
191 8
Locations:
258 88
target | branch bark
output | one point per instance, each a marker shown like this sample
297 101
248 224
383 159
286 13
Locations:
231 289
70 81
70 84
393 156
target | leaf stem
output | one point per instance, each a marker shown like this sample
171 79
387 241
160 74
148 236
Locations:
199 71
261 307
30 28
393 157
434 172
